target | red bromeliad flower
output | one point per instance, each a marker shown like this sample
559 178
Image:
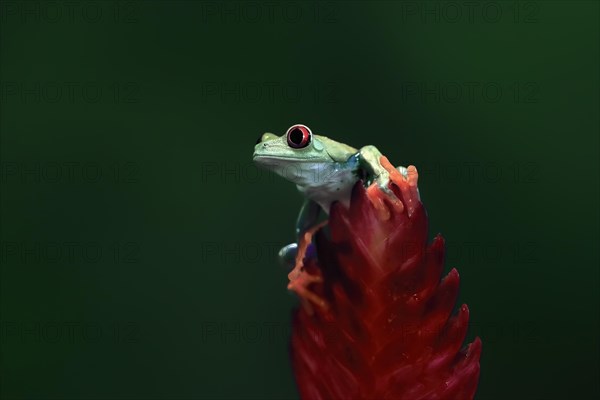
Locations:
375 321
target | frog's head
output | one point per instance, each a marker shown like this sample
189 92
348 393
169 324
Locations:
297 145
292 155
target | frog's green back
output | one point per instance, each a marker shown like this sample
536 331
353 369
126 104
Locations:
339 152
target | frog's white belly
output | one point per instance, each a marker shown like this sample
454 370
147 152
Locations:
326 183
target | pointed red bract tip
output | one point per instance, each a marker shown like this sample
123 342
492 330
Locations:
375 321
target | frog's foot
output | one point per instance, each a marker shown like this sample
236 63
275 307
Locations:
301 286
381 195
403 171
302 249
287 254
300 279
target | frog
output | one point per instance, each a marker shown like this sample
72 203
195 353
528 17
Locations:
324 171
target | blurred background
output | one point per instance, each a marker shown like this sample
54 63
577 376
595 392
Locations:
138 241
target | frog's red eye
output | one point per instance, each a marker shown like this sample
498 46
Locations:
299 136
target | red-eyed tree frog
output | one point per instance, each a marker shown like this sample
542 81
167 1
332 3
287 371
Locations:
323 170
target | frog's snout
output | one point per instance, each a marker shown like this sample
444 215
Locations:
266 137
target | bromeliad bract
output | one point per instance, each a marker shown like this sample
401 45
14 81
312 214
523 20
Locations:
376 319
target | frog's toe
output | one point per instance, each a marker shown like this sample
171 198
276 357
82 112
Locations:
403 171
382 197
287 255
384 187
383 182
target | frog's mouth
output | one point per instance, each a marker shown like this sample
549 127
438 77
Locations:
273 159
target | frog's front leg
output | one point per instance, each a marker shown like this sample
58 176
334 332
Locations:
307 219
370 160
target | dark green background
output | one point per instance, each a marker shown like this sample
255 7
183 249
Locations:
158 277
